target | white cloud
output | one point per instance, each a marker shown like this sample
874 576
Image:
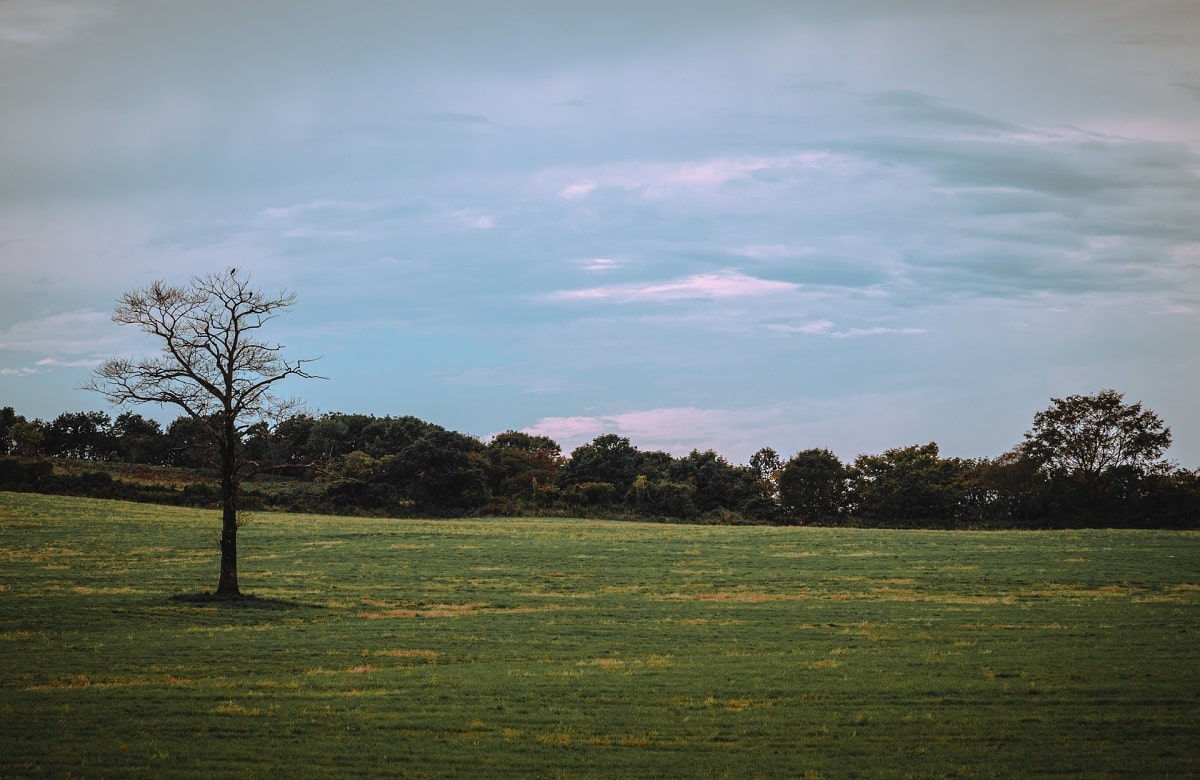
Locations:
817 328
854 333
600 263
74 333
726 284
53 363
577 190
667 179
826 328
307 208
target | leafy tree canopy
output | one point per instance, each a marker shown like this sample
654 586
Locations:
1085 436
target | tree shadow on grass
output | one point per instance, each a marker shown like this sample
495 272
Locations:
243 601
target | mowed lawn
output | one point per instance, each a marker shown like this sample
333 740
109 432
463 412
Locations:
577 648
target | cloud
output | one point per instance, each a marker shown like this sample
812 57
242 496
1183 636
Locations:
53 363
601 263
725 284
826 328
818 328
657 180
45 365
86 336
577 190
772 251
477 221
677 430
307 209
33 23
854 333
74 333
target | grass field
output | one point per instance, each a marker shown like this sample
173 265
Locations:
559 648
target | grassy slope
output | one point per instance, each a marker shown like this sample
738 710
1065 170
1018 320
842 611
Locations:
581 648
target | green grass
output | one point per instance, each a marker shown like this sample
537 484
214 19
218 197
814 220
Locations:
559 648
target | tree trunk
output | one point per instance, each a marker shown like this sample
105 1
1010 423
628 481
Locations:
228 584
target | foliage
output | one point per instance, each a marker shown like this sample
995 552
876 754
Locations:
908 486
8 419
362 464
438 471
17 473
812 487
664 498
187 444
718 484
82 435
1098 449
136 439
517 463
608 458
1087 437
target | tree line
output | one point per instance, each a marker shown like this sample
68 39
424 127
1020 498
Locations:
1087 461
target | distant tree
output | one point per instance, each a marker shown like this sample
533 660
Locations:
336 434
718 484
137 439
8 420
518 463
1089 439
213 365
674 499
281 448
292 437
83 435
812 486
27 437
655 464
608 458
765 467
188 444
1009 490
907 486
439 472
766 463
1171 499
593 495
258 443
393 435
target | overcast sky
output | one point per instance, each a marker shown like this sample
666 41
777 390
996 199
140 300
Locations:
727 225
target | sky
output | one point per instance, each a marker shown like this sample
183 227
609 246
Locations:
699 225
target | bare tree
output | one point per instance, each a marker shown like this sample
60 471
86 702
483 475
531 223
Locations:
213 365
